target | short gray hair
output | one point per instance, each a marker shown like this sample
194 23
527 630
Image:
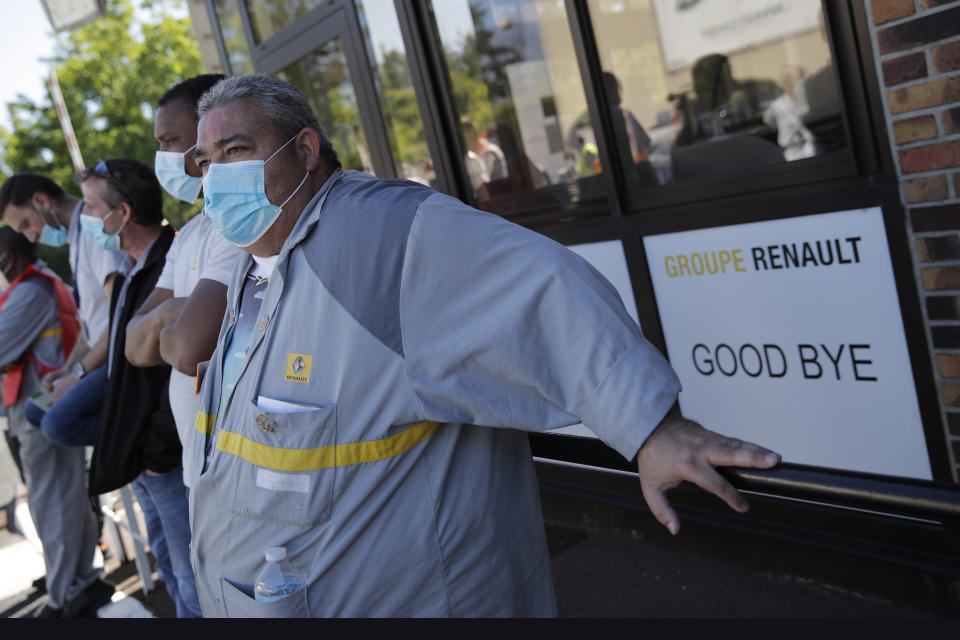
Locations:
280 102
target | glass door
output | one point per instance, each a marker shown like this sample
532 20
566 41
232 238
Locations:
322 54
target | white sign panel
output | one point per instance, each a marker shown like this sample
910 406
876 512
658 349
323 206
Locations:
608 258
691 29
788 333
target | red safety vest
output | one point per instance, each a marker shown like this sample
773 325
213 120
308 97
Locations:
68 325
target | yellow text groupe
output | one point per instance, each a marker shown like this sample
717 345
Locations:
794 255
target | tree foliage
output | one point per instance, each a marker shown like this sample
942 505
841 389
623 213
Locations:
478 77
111 72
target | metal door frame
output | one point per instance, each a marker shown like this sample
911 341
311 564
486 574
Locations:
332 19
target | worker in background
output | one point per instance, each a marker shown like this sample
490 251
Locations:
38 327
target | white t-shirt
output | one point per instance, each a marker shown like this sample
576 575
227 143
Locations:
90 266
198 252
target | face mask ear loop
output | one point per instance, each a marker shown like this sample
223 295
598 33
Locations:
279 150
305 176
52 216
122 227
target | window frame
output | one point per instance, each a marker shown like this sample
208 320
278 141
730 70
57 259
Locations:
860 157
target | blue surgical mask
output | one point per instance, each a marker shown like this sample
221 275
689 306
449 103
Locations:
51 236
93 227
172 173
235 199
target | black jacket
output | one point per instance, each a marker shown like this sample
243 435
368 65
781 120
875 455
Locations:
136 429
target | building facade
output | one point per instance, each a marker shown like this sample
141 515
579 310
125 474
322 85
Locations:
772 185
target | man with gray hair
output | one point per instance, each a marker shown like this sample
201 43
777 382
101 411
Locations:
373 325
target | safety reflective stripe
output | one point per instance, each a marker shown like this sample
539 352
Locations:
339 455
204 422
49 333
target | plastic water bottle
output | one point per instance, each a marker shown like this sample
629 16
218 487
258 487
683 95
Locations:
278 579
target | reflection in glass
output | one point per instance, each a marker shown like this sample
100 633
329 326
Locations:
698 89
515 83
322 76
233 37
267 17
398 101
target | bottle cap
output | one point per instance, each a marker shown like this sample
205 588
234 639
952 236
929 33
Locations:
275 554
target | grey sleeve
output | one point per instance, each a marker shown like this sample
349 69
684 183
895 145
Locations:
29 310
504 327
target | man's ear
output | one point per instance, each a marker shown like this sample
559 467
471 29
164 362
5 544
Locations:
42 201
308 148
126 212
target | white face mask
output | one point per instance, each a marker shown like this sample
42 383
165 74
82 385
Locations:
170 167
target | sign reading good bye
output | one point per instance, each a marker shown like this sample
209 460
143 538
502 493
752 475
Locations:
788 333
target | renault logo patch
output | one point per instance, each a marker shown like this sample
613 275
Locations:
298 367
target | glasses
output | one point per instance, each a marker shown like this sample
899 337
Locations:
102 170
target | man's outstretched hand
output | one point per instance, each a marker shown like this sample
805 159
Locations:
680 449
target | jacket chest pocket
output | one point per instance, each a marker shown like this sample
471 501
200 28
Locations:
286 465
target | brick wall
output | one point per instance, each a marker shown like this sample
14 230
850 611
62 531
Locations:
917 49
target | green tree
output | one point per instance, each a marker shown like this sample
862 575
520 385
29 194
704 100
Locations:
111 72
324 78
401 112
478 78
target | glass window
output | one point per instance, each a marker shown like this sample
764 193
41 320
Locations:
523 113
270 16
398 100
323 77
699 88
234 40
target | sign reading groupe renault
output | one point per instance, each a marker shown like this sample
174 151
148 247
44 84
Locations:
788 333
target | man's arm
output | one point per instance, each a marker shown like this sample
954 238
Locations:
143 330
22 320
192 337
90 356
541 340
80 349
95 357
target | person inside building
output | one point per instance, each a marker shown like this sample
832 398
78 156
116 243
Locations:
374 323
636 153
179 322
476 167
38 327
42 211
137 439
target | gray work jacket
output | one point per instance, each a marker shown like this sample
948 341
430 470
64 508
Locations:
395 320
30 322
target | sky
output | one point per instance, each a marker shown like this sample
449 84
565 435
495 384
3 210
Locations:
25 38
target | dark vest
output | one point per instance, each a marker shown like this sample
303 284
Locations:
136 430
